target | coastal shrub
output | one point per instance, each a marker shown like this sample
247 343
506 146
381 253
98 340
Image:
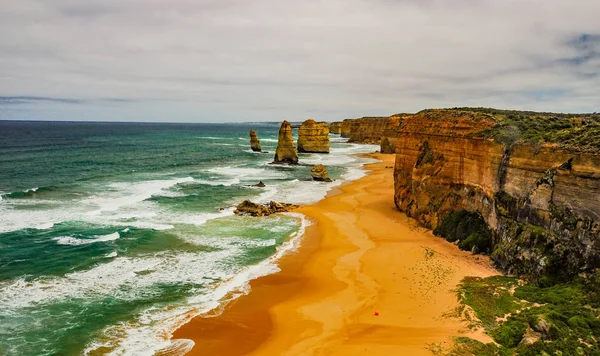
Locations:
468 228
562 316
490 298
465 346
510 333
476 242
575 131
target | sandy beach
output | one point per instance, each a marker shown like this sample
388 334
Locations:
366 281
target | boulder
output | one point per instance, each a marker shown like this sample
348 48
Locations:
248 207
313 137
254 142
319 173
286 152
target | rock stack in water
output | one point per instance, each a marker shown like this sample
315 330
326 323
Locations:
254 142
286 152
319 173
335 128
313 137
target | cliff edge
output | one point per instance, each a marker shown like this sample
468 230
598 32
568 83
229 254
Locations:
537 195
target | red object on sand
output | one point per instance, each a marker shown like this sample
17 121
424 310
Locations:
376 313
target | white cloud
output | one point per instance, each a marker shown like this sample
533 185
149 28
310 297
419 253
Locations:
241 60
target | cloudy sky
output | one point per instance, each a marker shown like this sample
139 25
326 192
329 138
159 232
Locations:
250 60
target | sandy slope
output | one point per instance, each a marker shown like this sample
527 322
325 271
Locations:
359 257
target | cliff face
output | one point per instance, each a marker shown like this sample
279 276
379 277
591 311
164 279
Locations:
367 129
335 128
541 202
286 152
254 142
345 129
389 134
313 137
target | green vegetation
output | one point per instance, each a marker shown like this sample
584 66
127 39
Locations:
469 229
561 319
571 131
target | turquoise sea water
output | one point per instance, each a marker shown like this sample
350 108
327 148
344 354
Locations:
114 234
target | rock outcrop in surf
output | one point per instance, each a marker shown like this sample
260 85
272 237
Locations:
286 152
254 142
313 137
319 173
248 207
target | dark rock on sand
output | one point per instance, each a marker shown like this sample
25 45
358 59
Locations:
248 207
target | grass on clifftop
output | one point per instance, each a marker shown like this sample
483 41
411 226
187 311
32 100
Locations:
529 320
570 131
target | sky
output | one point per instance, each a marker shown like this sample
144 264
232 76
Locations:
269 60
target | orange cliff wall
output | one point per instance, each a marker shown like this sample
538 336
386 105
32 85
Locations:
390 134
367 129
345 128
444 166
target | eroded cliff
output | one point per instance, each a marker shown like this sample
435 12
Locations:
541 201
367 129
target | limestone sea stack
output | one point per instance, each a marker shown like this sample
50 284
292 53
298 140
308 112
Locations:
254 142
319 173
286 152
335 128
313 137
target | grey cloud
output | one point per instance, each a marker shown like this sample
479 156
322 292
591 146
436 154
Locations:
270 59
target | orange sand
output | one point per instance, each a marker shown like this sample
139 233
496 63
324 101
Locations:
360 256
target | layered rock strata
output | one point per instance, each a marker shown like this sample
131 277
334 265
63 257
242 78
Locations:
367 129
313 137
254 142
346 127
335 128
286 152
389 134
540 201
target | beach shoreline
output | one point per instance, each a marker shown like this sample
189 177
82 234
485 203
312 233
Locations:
360 257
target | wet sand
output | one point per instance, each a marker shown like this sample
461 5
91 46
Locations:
359 257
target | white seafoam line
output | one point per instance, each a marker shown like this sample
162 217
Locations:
156 327
152 325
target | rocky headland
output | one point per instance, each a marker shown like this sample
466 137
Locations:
313 137
531 196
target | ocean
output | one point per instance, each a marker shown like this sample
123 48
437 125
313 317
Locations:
114 234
